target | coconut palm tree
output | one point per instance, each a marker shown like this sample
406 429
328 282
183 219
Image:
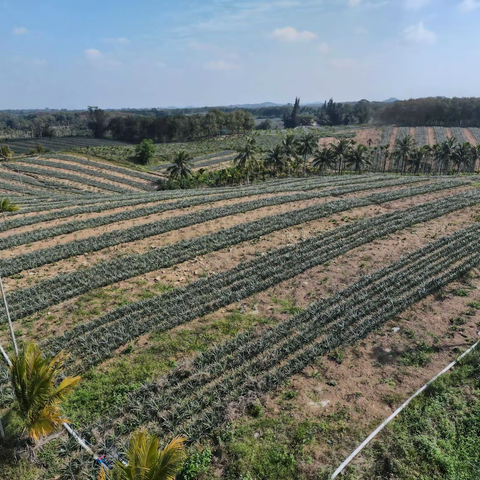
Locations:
276 159
324 158
37 392
358 158
416 159
342 151
306 146
290 148
403 149
444 154
462 156
247 158
145 460
181 167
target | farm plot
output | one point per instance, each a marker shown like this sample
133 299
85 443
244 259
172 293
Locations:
458 134
440 134
314 220
24 145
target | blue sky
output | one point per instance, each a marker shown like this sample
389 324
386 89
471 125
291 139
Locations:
74 53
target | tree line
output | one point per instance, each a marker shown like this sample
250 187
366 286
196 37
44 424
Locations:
432 111
301 155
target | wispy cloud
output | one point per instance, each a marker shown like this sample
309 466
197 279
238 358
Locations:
93 54
419 34
290 34
469 5
19 31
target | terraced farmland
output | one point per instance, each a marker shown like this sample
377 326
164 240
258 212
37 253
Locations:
219 314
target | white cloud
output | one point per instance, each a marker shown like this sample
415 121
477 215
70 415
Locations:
416 4
19 30
290 34
93 54
354 3
220 66
160 64
343 63
469 5
118 40
419 34
324 48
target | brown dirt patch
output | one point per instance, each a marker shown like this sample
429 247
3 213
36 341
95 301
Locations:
412 132
448 132
469 136
369 136
431 140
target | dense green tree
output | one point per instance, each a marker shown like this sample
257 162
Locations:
97 121
144 152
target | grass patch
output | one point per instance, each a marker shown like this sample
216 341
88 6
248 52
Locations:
437 436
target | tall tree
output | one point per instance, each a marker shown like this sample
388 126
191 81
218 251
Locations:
293 120
359 157
324 158
37 391
290 148
307 144
342 151
403 149
97 121
181 167
145 460
444 154
144 152
247 158
276 159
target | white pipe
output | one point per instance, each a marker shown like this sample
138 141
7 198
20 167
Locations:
80 440
9 320
396 412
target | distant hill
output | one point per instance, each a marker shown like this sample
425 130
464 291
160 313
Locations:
391 100
257 105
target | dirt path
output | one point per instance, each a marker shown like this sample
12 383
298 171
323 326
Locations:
431 136
412 132
448 132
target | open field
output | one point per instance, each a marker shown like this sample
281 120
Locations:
274 325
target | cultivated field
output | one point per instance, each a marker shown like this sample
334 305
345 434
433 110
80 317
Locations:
273 324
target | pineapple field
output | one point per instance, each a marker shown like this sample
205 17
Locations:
272 325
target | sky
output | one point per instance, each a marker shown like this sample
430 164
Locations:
159 53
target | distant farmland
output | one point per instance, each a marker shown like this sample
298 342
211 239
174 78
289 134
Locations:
24 145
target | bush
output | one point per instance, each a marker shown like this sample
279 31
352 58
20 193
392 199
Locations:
144 152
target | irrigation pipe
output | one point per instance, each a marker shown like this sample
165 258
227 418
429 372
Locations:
397 411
